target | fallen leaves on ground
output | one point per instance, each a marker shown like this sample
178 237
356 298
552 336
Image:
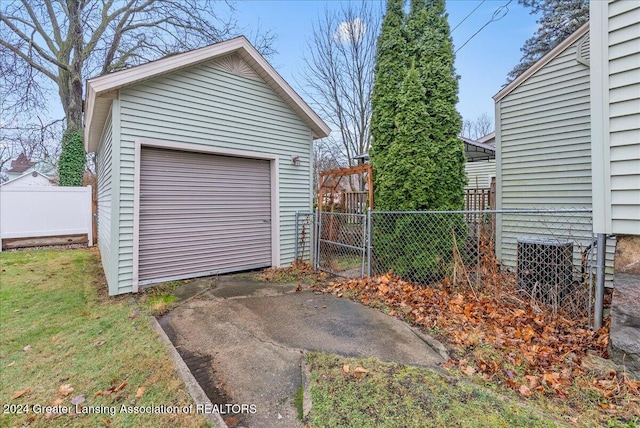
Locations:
498 336
78 399
18 394
140 392
298 271
65 389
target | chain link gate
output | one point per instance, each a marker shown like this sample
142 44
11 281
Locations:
342 244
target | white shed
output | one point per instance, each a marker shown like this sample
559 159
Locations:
203 159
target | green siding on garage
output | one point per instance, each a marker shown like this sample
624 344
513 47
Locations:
206 106
104 171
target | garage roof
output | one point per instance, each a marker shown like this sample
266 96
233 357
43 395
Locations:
100 91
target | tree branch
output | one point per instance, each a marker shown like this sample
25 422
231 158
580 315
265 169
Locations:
31 43
38 27
28 60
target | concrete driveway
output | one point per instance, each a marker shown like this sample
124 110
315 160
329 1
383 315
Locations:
244 340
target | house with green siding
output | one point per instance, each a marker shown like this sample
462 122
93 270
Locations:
543 150
615 148
568 137
481 172
203 158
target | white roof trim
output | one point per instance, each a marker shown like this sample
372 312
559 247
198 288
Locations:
487 137
99 90
24 175
542 62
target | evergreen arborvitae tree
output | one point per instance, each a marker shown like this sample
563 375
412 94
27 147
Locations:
72 158
420 166
432 48
390 70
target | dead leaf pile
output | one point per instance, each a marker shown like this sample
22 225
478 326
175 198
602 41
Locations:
530 350
298 271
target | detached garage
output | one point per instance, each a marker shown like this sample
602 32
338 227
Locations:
203 159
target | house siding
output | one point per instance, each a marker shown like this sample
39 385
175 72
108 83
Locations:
207 106
479 174
624 115
544 161
104 173
545 138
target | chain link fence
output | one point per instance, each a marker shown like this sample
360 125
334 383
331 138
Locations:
547 255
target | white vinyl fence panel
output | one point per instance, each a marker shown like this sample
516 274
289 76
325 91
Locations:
33 212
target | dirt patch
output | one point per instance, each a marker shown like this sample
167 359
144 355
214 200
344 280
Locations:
201 367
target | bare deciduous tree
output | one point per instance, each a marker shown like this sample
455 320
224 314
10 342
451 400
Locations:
478 128
38 141
327 154
51 43
338 76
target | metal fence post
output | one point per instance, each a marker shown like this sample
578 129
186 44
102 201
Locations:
600 277
368 242
317 226
295 248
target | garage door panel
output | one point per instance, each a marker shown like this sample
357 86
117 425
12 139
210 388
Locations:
205 219
201 214
190 268
203 227
159 243
203 262
199 260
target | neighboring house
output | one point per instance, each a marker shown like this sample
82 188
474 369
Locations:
615 147
28 179
568 136
481 161
203 158
22 165
543 148
480 157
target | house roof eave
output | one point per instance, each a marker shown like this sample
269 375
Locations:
553 53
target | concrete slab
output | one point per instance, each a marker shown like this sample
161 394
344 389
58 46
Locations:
256 334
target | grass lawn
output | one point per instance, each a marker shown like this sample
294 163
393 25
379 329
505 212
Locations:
391 395
64 342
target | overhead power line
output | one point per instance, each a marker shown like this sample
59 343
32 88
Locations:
498 14
470 13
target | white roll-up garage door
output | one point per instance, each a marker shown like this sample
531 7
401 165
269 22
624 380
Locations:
202 214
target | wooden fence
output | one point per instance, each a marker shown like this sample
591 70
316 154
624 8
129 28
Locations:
480 199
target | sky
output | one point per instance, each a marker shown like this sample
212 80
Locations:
483 63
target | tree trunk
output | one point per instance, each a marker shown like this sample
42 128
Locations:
71 78
71 97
